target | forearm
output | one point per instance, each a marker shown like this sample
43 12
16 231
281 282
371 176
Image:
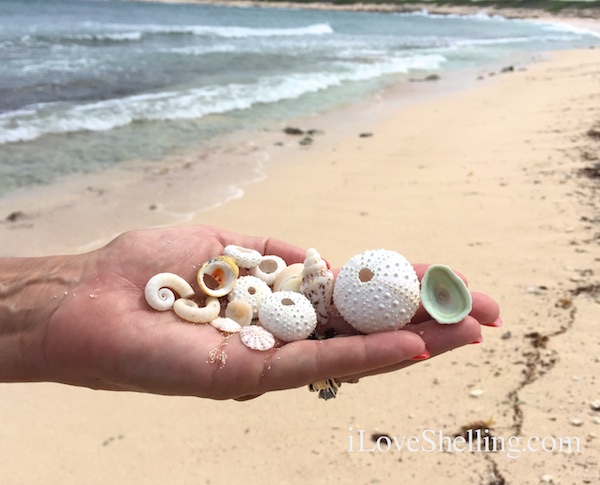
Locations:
31 290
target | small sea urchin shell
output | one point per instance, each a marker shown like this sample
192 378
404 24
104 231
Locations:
189 310
257 338
289 279
218 275
317 284
159 290
377 291
289 316
251 290
243 257
444 295
268 269
225 324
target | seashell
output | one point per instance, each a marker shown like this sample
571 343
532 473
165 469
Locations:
257 338
376 291
226 325
159 290
251 290
243 257
190 311
268 269
240 311
289 316
217 276
444 295
289 279
317 284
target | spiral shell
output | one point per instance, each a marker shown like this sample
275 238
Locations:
377 291
289 316
159 290
251 290
257 338
317 284
190 311
444 295
289 279
243 257
218 275
268 269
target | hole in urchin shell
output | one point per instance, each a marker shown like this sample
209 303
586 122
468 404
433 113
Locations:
287 302
268 266
252 290
365 275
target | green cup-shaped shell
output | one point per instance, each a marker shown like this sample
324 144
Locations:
444 295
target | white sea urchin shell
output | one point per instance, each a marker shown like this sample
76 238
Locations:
317 284
269 268
243 257
377 291
257 338
159 290
251 290
288 315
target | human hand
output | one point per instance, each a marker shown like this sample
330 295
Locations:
98 331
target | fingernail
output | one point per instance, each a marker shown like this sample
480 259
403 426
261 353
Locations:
479 340
327 263
497 323
423 356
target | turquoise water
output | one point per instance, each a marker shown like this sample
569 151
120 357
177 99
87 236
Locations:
85 85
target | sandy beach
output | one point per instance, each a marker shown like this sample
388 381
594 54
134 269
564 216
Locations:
486 179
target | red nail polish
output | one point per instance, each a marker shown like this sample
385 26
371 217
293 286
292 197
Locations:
479 340
423 356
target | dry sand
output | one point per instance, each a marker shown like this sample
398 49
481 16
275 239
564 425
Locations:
485 180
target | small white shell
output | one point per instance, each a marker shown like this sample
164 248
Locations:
159 290
317 284
243 257
377 291
268 269
289 279
444 295
257 338
225 324
190 311
251 290
217 276
289 316
240 311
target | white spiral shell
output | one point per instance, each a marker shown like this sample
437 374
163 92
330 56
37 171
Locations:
159 290
317 284
251 290
289 279
257 338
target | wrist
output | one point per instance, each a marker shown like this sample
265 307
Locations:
31 290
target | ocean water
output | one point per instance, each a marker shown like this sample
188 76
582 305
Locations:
90 84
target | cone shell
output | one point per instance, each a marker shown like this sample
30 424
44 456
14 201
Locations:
251 290
225 324
243 257
376 291
217 276
444 295
268 269
289 316
289 279
317 284
257 338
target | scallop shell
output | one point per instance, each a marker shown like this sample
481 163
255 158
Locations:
243 257
317 284
289 316
251 290
444 295
257 338
159 290
225 324
289 279
268 269
376 291
240 311
218 275
189 310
